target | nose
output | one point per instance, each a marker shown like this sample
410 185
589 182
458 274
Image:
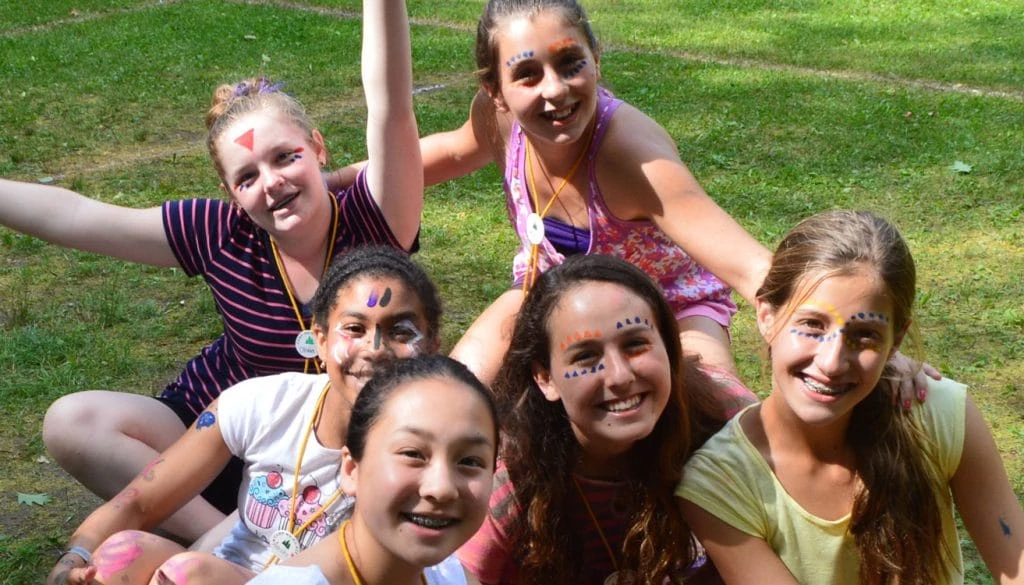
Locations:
831 356
377 347
438 483
554 86
272 180
618 372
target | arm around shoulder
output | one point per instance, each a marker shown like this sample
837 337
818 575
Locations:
987 503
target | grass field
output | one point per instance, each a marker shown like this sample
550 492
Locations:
913 109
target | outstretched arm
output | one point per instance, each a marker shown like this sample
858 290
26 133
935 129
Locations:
642 162
395 168
171 480
986 502
68 219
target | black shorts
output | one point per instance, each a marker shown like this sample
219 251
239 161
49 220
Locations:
223 492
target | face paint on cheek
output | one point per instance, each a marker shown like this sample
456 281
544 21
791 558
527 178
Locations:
570 374
575 69
344 347
519 57
245 140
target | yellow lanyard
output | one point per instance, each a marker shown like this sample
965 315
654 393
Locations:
597 525
531 275
298 468
356 578
288 284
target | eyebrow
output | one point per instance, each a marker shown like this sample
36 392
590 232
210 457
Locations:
475 439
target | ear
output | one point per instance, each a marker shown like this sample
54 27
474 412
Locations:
542 377
898 341
320 336
349 473
498 100
320 147
765 318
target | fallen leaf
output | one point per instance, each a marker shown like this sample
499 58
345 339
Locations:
249 37
960 167
33 499
42 459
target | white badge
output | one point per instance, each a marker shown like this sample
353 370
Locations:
534 229
612 579
305 344
283 544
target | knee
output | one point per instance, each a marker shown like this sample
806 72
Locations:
67 420
190 567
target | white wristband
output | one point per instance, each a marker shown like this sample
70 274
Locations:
81 552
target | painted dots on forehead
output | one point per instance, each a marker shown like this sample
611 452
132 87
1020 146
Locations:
634 320
519 57
381 300
870 316
246 139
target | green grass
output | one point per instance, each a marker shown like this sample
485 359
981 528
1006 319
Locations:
780 109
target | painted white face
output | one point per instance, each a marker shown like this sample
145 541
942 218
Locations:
374 319
272 170
424 481
548 77
829 354
609 367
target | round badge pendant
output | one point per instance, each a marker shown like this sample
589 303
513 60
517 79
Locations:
305 344
534 229
284 544
612 579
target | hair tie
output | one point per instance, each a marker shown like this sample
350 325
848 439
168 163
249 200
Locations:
262 85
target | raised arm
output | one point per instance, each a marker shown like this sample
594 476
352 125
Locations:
642 161
395 168
166 484
740 558
986 502
446 155
68 219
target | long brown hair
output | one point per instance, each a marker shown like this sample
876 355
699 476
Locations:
541 450
896 513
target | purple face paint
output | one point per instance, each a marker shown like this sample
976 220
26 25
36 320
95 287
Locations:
518 57
575 69
636 320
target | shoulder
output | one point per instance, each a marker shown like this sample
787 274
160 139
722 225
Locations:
269 392
727 459
943 417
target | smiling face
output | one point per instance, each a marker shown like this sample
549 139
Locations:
271 168
829 354
609 367
547 76
373 319
424 480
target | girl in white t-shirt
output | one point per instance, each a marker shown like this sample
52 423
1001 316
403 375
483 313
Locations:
373 305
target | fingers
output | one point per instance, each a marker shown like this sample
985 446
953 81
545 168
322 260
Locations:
931 371
82 575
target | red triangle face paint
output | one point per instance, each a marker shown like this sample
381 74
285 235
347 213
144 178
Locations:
245 140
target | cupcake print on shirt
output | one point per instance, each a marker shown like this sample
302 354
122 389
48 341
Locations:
265 494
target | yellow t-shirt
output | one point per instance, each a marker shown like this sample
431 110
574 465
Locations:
730 479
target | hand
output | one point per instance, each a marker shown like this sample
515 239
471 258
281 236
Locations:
72 570
912 379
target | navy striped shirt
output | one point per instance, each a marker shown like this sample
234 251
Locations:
217 241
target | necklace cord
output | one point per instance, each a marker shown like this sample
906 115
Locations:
597 525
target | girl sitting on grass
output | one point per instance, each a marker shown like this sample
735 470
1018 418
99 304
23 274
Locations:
825 482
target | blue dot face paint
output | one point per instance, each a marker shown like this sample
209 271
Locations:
518 57
574 69
857 333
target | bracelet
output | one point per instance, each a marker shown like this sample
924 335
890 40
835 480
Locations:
80 552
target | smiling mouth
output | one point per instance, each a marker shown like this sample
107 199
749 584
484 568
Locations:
820 388
624 404
560 114
429 522
282 203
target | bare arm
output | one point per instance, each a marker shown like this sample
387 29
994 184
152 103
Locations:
171 480
395 168
68 219
987 504
446 155
739 557
642 177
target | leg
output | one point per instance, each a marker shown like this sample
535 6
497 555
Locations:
210 540
197 568
136 428
703 336
130 557
483 345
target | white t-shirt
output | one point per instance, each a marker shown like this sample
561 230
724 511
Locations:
263 421
447 572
